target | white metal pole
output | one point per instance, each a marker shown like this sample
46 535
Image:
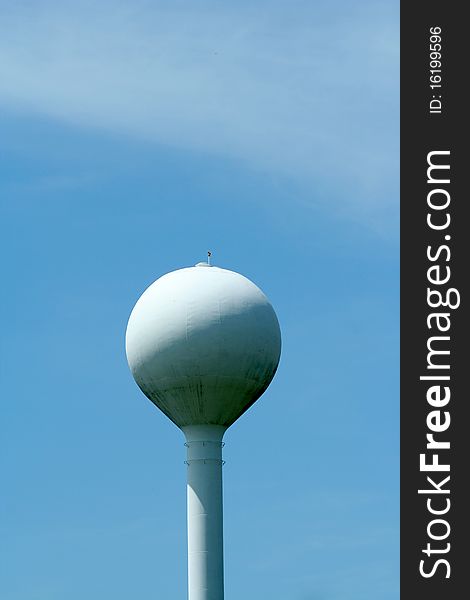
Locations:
205 516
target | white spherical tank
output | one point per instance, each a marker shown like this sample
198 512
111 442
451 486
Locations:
203 343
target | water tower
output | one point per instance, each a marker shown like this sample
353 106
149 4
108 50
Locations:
203 343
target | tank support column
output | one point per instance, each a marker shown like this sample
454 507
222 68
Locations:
205 522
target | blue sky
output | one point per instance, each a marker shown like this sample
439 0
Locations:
134 137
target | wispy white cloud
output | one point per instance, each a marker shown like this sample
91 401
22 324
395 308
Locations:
307 90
